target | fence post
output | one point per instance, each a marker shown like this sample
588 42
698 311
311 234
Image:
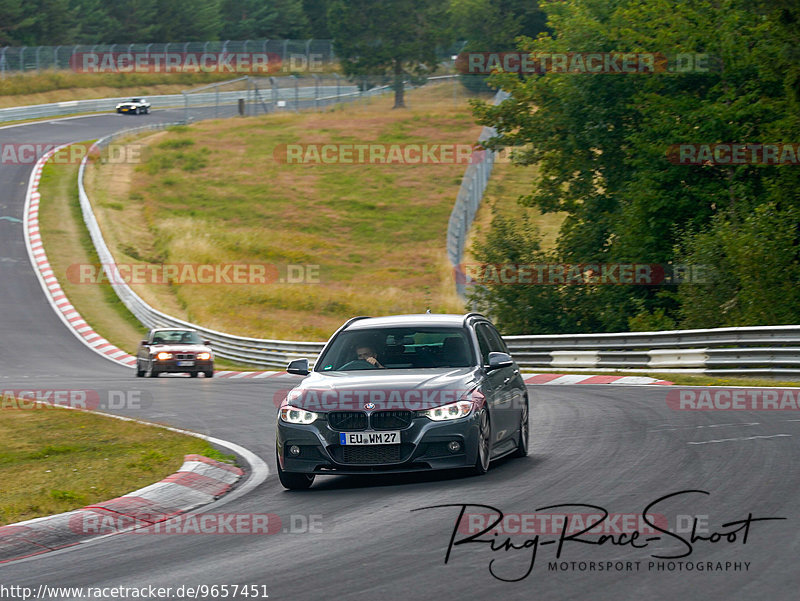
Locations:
3 63
296 94
22 59
316 91
185 108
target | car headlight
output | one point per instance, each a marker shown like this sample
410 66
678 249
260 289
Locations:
162 356
203 356
295 415
450 411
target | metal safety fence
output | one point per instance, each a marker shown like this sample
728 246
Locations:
468 200
291 54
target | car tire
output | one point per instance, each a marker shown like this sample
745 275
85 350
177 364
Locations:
209 374
147 110
291 480
151 373
193 374
484 444
139 372
524 433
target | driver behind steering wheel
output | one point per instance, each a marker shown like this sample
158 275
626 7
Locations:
368 354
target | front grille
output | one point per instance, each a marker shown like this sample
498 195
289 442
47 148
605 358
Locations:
346 421
184 356
367 454
391 420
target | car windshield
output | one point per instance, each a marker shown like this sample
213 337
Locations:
137 99
398 348
176 337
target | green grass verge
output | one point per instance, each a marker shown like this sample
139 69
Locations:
54 460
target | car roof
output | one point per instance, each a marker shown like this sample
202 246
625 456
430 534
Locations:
173 329
417 319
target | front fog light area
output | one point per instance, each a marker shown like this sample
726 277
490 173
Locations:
294 450
454 446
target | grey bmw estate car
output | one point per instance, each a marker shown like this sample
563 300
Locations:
403 393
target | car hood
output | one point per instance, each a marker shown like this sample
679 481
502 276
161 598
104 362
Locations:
375 390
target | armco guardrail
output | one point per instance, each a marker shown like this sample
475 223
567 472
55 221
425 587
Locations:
767 350
58 109
470 194
254 351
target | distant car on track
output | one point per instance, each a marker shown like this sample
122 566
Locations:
174 350
135 106
404 393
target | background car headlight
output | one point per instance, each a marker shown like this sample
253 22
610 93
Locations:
449 411
203 356
295 415
162 356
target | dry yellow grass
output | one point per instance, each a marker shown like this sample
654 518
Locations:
214 193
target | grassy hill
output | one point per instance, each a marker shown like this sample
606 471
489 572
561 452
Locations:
221 192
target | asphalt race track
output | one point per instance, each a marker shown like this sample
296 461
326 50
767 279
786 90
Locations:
617 447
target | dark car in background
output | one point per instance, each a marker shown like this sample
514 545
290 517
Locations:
404 393
174 350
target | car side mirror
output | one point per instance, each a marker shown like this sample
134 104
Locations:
498 360
298 367
145 343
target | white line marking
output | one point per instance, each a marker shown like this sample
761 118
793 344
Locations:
740 439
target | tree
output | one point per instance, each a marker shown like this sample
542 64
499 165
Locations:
600 143
393 37
256 19
10 15
317 14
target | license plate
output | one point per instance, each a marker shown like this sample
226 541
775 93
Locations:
185 363
362 438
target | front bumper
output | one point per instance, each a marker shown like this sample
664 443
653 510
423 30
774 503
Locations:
423 447
171 366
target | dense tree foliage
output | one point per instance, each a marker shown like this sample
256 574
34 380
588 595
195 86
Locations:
391 38
600 142
52 22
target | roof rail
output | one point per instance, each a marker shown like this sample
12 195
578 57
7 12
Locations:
468 315
352 319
